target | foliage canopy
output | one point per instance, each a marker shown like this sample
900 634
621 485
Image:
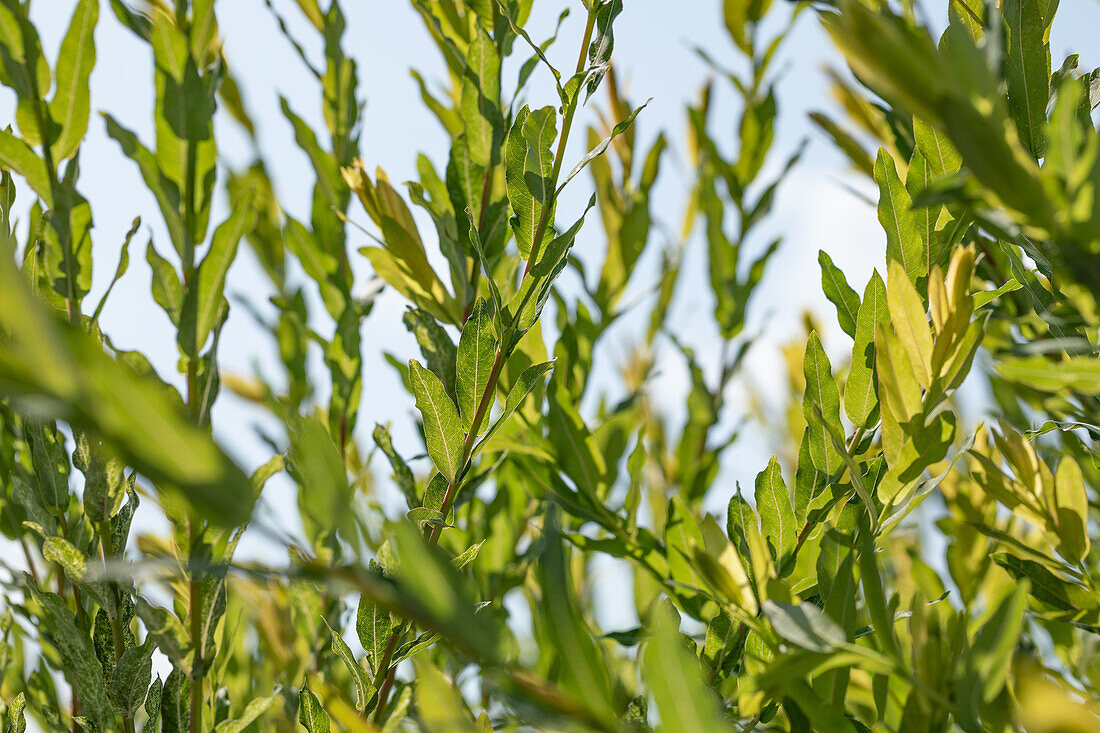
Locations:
825 601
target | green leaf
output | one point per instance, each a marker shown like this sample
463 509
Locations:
315 462
164 190
910 322
374 627
435 344
805 626
152 707
860 397
525 384
583 668
402 474
310 713
941 156
773 502
1071 511
442 425
1045 585
578 455
528 169
903 243
17 156
251 713
602 145
686 704
1077 373
175 709
477 350
1027 71
603 41
480 101
16 720
166 286
78 660
875 595
69 106
166 630
821 390
995 644
439 704
839 293
204 303
130 679
363 688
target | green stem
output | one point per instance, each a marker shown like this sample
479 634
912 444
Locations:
385 668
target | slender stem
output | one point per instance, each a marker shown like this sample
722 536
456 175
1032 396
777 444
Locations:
385 668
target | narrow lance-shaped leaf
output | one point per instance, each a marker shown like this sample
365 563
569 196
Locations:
204 302
1027 71
363 688
524 385
773 502
583 667
602 145
860 396
477 350
130 679
69 106
821 390
78 659
685 703
251 713
903 243
310 713
442 424
373 625
528 169
1071 506
603 41
839 293
480 105
910 322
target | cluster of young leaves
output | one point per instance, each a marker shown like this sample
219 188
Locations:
818 606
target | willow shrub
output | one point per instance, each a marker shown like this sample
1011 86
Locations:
819 603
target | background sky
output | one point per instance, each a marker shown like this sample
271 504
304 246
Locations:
654 42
